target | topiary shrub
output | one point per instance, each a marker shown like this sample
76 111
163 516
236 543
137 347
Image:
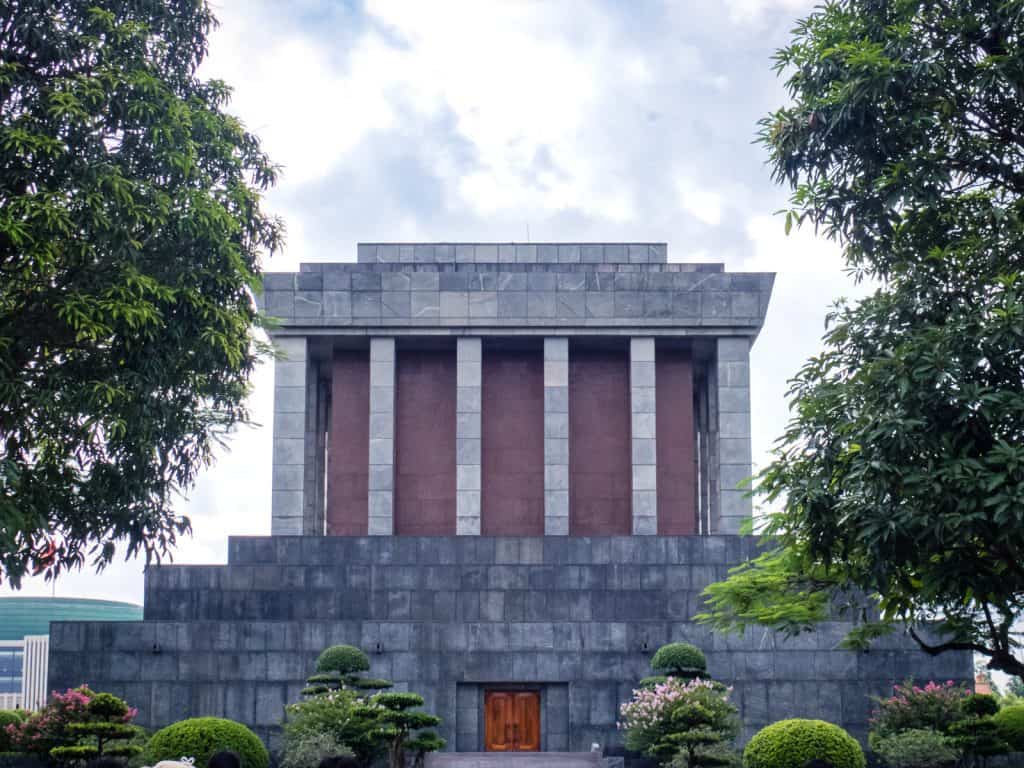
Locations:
980 704
680 660
309 749
917 748
201 737
1010 726
793 743
343 660
101 733
8 717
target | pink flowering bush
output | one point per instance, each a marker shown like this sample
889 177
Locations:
691 722
54 725
933 707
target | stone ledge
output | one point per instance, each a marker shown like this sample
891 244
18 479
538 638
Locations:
513 253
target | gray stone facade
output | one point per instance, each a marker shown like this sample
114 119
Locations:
576 618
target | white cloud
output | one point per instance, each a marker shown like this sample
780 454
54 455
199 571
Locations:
699 201
745 11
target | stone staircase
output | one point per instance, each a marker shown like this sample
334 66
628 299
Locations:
521 760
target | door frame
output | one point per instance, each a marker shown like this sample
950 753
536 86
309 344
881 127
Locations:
490 688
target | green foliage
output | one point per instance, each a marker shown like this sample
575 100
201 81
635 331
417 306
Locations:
310 748
680 660
685 722
8 717
79 752
424 743
1010 725
370 727
980 704
201 737
717 755
398 722
792 743
106 719
917 748
901 474
108 706
340 715
368 683
130 240
342 660
934 706
978 737
1015 687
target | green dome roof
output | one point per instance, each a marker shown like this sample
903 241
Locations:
20 616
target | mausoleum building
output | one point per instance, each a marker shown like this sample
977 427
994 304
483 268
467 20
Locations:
505 471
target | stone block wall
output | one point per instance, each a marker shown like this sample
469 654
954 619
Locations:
449 617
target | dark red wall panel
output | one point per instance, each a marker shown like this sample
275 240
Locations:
676 446
425 443
600 458
348 445
512 427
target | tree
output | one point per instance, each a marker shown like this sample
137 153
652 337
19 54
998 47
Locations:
680 721
338 667
401 726
108 720
130 239
1015 687
901 474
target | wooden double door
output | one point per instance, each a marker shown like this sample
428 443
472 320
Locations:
512 721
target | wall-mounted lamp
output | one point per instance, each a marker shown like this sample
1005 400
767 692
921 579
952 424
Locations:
379 649
156 648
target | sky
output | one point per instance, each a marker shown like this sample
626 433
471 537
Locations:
508 121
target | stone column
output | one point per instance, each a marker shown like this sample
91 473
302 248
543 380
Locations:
732 381
556 436
467 436
382 437
288 475
644 421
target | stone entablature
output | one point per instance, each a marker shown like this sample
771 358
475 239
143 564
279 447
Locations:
673 298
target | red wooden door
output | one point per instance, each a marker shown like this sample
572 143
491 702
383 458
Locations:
512 721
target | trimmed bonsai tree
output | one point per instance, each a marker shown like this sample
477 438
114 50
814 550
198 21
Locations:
681 722
339 666
108 719
680 660
398 722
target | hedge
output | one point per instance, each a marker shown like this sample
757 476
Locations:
202 737
792 743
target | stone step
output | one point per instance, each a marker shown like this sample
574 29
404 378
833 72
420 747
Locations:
515 760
